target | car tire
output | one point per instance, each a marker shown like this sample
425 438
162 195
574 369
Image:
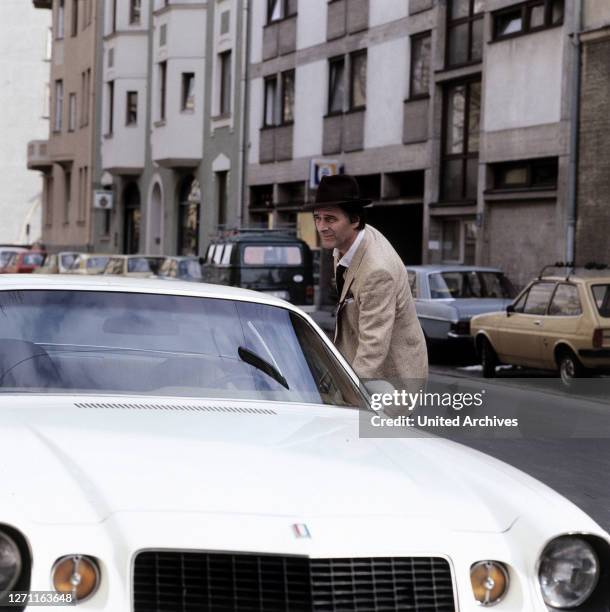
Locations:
489 359
569 368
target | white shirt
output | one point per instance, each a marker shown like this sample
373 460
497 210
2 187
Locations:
346 260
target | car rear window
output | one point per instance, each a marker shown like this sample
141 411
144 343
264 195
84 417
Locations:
144 264
33 259
601 295
469 284
272 255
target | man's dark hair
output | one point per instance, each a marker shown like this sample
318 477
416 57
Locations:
356 215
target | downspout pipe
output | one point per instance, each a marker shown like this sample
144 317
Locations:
243 149
574 135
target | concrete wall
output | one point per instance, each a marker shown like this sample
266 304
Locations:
523 79
384 11
310 108
23 97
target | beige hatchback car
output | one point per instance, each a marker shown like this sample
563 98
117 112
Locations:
556 322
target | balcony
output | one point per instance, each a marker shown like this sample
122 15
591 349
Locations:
43 4
38 156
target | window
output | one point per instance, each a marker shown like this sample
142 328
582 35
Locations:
48 53
60 19
163 35
114 15
71 112
188 91
461 141
135 8
46 102
336 85
527 17
280 9
288 97
357 80
225 22
221 197
225 83
565 302
74 28
111 57
270 113
110 108
528 174
49 201
538 298
59 105
419 79
132 108
67 194
162 89
601 295
87 97
464 32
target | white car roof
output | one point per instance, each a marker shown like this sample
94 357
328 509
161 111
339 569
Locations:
135 285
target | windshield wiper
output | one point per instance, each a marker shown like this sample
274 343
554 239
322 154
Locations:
260 364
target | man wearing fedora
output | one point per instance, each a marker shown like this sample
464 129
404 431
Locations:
377 329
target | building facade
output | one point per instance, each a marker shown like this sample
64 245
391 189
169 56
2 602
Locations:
69 158
25 52
454 117
172 112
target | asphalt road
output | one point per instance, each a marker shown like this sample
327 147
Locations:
573 457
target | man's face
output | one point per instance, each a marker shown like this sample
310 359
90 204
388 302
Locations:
335 229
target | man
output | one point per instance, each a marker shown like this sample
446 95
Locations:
377 329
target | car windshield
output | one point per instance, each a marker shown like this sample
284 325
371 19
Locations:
271 255
144 264
167 345
470 284
5 256
601 295
33 259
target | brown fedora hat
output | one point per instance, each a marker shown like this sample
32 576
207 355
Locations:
338 190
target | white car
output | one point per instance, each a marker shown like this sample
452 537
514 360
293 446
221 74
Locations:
170 446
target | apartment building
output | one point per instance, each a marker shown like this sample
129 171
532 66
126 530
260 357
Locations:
172 116
25 52
69 157
454 116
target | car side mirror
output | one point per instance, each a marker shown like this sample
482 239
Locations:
510 309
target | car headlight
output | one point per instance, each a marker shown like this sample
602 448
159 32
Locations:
77 575
10 563
489 581
569 571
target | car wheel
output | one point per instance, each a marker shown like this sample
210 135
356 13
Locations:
489 360
569 368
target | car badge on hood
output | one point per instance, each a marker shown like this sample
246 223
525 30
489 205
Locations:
301 530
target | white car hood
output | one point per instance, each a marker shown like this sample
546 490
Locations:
64 464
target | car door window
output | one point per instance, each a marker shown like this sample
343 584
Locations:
565 302
226 256
520 303
538 298
218 253
412 282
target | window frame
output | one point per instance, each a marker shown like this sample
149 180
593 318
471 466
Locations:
465 155
525 9
529 165
272 78
225 92
60 20
187 103
110 116
551 294
336 60
135 12
282 108
413 39
128 95
74 19
284 8
361 53
72 112
454 23
58 110
162 90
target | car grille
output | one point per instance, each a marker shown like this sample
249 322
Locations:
217 582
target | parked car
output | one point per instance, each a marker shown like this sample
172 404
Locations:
133 265
559 322
24 262
88 263
182 268
447 297
201 443
57 263
6 252
273 263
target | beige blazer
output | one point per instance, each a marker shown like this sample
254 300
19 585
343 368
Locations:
377 329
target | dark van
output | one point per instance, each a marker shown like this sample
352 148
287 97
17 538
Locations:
278 264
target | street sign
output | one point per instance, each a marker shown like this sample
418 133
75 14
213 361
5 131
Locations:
102 199
322 167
